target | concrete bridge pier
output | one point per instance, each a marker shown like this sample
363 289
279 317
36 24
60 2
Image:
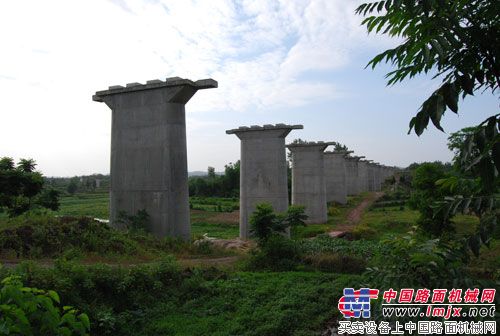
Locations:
263 169
335 176
148 152
308 179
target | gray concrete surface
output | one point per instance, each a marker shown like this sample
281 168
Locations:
377 177
351 168
362 176
308 179
263 169
335 176
148 152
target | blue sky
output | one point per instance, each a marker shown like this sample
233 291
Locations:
299 62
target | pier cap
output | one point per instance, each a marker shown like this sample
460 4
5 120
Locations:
310 144
201 84
263 128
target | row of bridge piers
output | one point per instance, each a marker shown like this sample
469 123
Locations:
149 161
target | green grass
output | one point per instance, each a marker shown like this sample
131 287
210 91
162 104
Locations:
94 205
162 299
337 214
215 230
387 221
42 236
288 303
97 205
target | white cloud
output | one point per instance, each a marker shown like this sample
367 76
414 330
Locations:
56 54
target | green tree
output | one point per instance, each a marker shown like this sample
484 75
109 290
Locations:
72 186
211 173
458 41
21 187
265 223
425 192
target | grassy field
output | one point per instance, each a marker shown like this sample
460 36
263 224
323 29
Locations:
163 286
94 205
216 217
337 214
205 215
289 303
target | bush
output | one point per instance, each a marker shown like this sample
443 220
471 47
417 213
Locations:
47 236
276 254
364 249
31 311
115 297
333 211
336 263
414 261
264 222
364 232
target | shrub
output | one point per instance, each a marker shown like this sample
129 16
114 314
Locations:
364 232
114 297
276 254
31 311
264 222
47 236
324 244
414 261
333 211
336 263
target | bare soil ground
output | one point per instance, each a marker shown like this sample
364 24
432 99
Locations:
355 215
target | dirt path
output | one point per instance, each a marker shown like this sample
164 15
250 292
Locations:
354 216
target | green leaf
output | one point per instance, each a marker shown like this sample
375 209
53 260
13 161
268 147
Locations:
487 173
467 84
380 6
436 109
437 47
475 244
495 153
450 96
54 296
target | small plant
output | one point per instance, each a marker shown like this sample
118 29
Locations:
363 232
336 263
265 223
276 252
32 311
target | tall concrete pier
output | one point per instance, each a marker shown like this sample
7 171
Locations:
263 169
351 169
308 179
335 176
363 175
371 177
148 151
377 177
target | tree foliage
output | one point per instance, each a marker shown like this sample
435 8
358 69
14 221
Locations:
425 193
265 223
226 185
32 311
456 39
21 188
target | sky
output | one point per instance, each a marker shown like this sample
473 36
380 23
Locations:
294 62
